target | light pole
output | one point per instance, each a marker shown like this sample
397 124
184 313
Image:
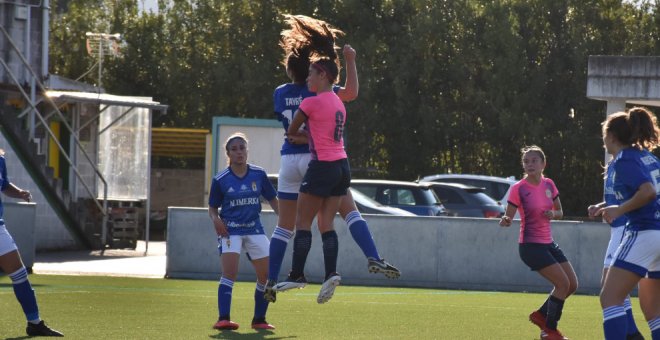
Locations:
102 44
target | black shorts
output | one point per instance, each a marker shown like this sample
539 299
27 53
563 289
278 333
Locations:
538 255
327 179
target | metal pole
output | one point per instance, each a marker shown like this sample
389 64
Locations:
100 62
148 208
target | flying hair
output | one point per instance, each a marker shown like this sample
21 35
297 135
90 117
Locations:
307 40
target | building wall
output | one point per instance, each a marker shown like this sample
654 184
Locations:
437 252
24 25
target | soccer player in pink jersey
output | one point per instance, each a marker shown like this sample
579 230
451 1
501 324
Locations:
537 199
328 174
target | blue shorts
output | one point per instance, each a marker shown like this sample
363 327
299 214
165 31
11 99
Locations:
327 179
538 255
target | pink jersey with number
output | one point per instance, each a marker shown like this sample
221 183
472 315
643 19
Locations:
531 201
326 116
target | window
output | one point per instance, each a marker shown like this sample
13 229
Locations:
449 196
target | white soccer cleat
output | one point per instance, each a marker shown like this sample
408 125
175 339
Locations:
328 288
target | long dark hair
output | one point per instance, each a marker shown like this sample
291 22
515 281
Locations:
309 40
637 127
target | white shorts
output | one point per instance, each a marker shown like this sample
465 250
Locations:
7 244
639 253
292 170
256 246
616 236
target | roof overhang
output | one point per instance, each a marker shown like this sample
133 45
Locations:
105 99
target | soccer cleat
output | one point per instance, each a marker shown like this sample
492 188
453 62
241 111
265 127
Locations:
225 324
552 334
262 325
290 283
328 288
538 319
40 329
636 336
380 266
269 291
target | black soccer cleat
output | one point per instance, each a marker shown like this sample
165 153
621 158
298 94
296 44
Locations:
381 266
40 329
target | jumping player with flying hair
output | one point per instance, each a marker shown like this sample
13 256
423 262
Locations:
234 208
537 199
12 265
304 37
635 174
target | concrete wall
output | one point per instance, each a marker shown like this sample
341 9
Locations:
437 252
24 22
177 187
628 77
19 220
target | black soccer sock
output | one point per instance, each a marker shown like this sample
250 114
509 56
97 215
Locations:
302 243
330 251
544 307
555 307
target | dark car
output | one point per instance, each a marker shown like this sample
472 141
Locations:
418 198
467 201
364 204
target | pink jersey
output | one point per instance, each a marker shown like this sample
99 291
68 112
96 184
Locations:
531 201
326 116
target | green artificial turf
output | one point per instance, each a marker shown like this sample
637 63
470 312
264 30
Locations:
86 307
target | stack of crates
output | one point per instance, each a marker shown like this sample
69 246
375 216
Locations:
124 222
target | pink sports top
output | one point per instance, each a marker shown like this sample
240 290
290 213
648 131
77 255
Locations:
531 201
326 116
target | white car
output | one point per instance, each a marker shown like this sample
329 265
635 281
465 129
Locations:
496 187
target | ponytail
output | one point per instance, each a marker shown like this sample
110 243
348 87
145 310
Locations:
636 127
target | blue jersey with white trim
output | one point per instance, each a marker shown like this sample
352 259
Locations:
287 98
4 184
631 169
610 198
238 199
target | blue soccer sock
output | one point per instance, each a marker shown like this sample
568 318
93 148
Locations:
260 304
278 243
627 306
330 251
302 243
615 322
654 325
25 294
361 234
224 298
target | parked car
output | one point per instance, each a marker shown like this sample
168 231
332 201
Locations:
495 187
417 198
364 204
467 201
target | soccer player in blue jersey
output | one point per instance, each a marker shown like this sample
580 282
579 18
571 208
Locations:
616 236
299 42
11 263
234 208
635 177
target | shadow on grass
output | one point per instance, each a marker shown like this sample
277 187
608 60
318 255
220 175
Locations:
260 334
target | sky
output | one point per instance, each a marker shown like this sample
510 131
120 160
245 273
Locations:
148 5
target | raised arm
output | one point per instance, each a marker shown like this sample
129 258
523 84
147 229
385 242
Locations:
351 87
